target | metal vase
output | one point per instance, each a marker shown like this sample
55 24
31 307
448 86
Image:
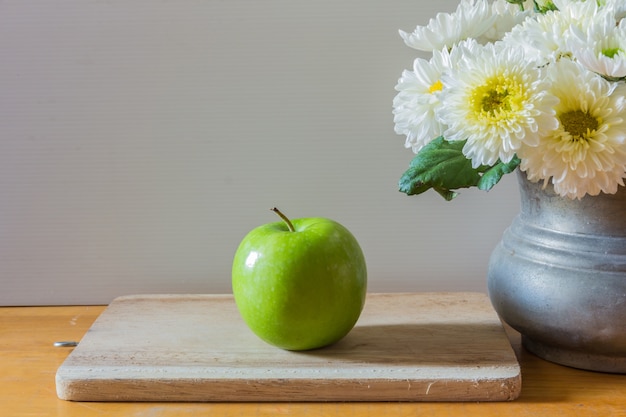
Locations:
558 276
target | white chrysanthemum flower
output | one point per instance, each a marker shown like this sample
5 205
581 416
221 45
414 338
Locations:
470 20
562 4
617 8
508 16
544 38
495 99
417 99
602 49
576 12
586 154
541 38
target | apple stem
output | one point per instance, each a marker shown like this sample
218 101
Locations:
285 219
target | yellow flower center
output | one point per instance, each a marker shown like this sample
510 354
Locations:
579 124
438 86
497 98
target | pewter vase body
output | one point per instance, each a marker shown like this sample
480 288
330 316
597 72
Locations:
558 276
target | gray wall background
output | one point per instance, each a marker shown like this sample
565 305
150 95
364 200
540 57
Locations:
141 140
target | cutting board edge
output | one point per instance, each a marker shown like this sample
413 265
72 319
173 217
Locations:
279 390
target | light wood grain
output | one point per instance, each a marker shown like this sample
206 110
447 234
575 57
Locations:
28 362
405 347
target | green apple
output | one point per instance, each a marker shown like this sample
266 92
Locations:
300 285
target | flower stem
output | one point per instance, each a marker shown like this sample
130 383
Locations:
285 219
520 3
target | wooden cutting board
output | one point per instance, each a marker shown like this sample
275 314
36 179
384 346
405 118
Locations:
405 347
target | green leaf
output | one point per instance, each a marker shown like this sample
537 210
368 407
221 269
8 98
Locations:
440 165
545 6
494 174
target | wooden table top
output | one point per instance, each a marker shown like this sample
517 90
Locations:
28 364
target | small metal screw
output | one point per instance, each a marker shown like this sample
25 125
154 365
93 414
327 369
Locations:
65 344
